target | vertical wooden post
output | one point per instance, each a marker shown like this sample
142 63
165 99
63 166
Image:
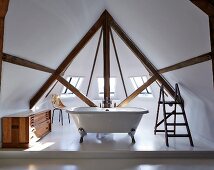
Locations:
106 60
211 22
3 11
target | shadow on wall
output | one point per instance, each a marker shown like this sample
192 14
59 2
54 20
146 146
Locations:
199 114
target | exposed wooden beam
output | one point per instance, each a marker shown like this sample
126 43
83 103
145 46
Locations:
63 66
211 24
42 90
137 92
186 63
67 61
1 46
76 91
118 62
95 59
23 62
106 60
3 11
205 5
141 56
51 89
3 8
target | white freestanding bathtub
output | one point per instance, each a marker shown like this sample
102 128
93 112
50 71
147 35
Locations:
107 120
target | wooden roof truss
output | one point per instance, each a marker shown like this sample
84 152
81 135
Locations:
106 22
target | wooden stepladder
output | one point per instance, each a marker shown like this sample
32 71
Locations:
169 126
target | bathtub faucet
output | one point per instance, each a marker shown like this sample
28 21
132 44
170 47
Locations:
107 102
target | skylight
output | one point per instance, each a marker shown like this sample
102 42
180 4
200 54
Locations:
74 81
139 81
101 86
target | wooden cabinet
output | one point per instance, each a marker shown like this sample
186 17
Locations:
21 130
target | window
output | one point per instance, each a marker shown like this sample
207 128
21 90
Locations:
74 81
101 86
139 81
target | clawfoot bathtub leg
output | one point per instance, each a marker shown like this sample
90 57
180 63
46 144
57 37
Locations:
131 134
82 134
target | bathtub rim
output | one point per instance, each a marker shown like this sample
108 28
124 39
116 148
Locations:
106 110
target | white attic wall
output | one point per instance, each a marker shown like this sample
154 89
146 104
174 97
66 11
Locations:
167 31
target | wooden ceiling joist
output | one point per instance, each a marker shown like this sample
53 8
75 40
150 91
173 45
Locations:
137 92
107 22
186 63
67 61
23 62
3 11
76 91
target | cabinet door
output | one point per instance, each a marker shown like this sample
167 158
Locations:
23 130
6 130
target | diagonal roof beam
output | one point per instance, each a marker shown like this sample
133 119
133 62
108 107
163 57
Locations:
51 89
67 61
118 62
76 91
141 56
95 59
136 92
3 11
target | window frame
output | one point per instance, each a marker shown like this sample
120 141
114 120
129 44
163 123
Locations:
112 90
77 84
146 92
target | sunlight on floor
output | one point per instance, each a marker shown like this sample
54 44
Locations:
40 146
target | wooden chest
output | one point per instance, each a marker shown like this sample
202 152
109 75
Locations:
23 129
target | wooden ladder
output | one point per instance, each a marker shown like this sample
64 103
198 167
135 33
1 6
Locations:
178 101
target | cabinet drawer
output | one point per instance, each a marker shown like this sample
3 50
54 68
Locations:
38 119
40 130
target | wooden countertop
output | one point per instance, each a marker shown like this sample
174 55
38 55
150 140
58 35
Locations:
26 113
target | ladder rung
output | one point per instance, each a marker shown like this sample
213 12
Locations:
174 113
176 124
164 130
178 135
170 102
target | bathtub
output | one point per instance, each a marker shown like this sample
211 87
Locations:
107 120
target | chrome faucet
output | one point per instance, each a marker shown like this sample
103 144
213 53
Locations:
107 102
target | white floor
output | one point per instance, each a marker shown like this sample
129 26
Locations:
106 164
66 138
61 150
